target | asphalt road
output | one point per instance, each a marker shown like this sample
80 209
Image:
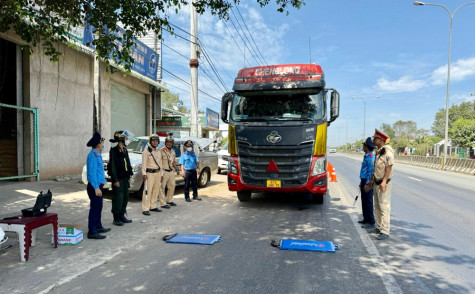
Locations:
432 227
430 250
244 261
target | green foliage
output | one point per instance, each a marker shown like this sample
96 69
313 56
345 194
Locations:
463 110
47 22
170 99
463 132
224 141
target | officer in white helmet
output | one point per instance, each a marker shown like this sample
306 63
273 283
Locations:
152 173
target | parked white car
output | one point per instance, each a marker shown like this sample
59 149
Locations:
223 158
208 161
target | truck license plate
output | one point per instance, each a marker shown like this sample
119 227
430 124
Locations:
273 184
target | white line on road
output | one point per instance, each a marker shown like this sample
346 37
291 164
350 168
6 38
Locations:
382 269
415 179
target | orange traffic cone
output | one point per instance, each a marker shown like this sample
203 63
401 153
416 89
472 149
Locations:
329 169
333 175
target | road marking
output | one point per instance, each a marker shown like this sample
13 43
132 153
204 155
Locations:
383 270
415 179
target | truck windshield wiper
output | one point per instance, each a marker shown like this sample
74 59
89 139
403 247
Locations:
253 119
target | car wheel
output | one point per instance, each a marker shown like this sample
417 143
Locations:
244 195
204 178
317 198
138 194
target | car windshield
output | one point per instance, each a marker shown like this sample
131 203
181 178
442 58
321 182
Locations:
225 147
138 145
307 104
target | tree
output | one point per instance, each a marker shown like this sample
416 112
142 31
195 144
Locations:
169 100
47 22
463 132
388 130
463 110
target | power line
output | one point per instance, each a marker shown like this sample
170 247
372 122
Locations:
188 84
213 68
257 47
237 45
207 75
175 51
249 33
206 55
232 22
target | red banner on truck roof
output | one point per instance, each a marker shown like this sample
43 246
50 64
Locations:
279 70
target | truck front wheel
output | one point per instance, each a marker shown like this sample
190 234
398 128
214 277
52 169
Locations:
244 195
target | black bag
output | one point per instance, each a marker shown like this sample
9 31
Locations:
43 201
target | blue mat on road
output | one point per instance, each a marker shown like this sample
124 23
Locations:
192 239
306 245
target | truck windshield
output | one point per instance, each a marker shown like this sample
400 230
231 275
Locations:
278 105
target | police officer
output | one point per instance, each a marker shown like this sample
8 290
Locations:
190 166
152 173
120 171
381 181
170 169
366 173
96 180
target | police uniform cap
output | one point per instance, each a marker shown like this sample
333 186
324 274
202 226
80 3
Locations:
369 143
381 135
95 140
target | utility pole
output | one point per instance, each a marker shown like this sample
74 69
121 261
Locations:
194 70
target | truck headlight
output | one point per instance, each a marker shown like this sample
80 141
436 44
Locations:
232 168
319 166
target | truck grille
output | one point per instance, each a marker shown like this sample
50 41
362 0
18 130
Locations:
293 163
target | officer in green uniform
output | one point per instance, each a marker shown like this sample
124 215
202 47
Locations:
120 171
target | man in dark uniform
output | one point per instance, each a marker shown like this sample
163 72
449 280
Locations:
366 173
96 180
190 166
120 171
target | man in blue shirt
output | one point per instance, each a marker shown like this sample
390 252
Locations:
367 167
190 166
96 180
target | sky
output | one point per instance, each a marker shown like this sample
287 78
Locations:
389 53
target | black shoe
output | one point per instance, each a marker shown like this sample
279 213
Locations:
172 203
362 222
187 199
103 230
146 213
124 219
155 209
166 206
367 226
95 236
197 198
382 236
117 220
375 231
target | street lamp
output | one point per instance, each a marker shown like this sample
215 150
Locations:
364 123
451 15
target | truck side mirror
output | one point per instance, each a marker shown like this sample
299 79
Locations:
224 106
334 106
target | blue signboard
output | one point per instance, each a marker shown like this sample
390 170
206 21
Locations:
146 60
212 119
